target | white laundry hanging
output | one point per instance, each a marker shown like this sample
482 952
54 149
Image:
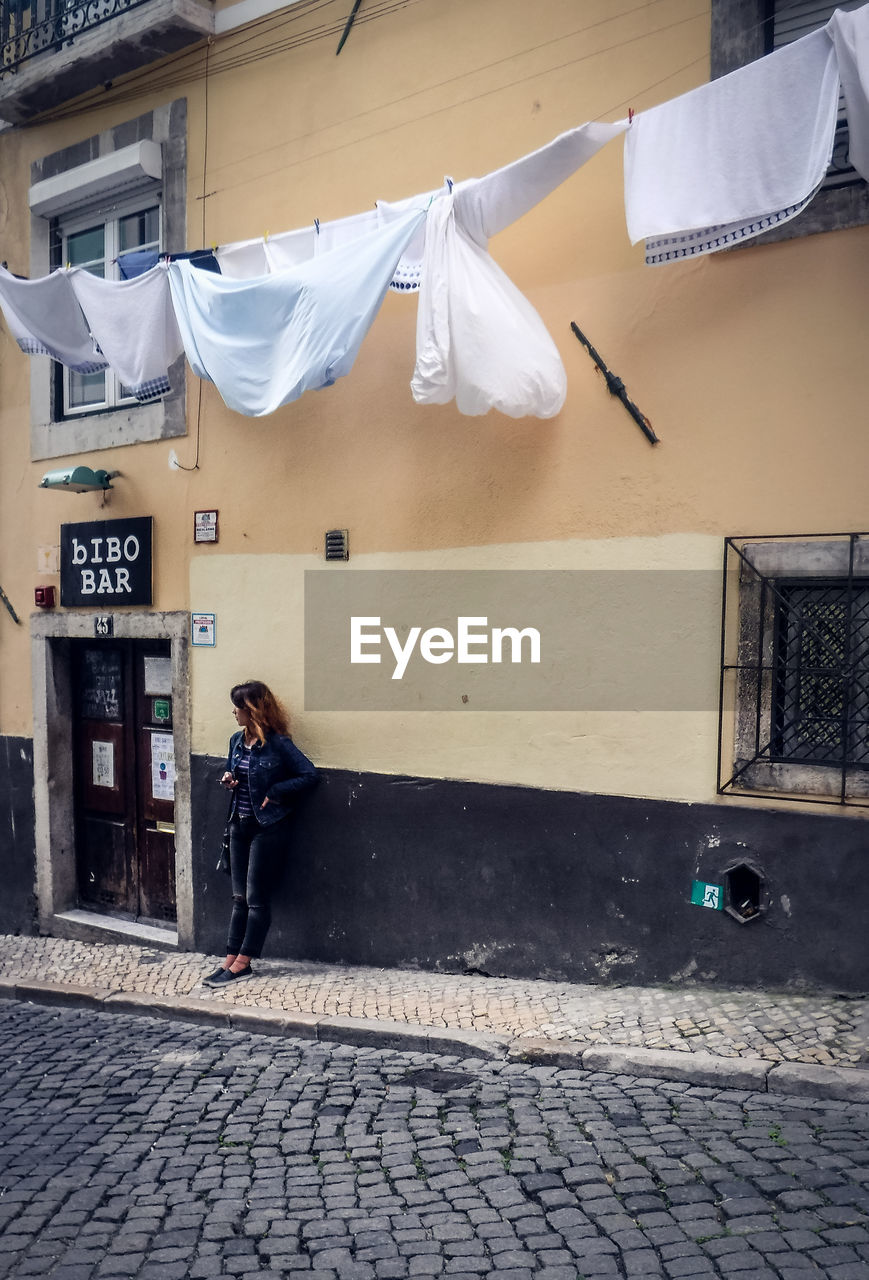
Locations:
487 205
134 323
478 339
263 342
484 207
45 319
850 35
734 157
249 258
242 260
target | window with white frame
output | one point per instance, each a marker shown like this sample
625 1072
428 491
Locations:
98 244
91 203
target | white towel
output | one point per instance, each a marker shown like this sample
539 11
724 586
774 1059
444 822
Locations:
264 342
247 259
242 260
850 35
731 159
45 319
134 323
478 339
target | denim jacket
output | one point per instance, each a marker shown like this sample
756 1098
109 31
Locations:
279 772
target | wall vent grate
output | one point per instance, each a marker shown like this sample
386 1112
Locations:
337 544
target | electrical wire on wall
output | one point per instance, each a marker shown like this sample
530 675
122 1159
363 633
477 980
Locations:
178 70
179 466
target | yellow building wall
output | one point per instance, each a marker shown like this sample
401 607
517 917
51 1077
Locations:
748 363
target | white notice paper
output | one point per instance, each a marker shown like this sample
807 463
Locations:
103 764
162 766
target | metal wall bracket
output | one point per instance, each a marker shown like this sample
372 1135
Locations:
616 388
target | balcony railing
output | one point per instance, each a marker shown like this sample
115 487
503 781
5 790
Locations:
30 27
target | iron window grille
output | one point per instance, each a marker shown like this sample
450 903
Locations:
31 27
821 674
794 704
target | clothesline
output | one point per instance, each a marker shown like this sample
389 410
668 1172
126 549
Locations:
288 313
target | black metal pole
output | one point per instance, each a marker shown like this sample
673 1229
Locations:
345 33
8 603
616 387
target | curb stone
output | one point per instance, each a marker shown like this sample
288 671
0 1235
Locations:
175 1008
537 1050
467 1044
803 1080
63 993
794 1079
273 1022
666 1064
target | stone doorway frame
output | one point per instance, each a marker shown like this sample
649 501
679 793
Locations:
56 887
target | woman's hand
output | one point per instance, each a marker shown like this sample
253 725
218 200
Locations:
229 781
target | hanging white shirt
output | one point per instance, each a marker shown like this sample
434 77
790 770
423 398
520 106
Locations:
850 35
487 205
264 342
45 319
733 158
478 338
134 323
479 341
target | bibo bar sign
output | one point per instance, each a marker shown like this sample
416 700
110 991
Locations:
106 562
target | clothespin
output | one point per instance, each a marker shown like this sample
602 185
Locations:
266 237
317 225
450 185
630 115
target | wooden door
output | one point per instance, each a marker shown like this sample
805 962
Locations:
155 780
124 777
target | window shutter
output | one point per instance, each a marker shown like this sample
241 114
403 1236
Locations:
793 19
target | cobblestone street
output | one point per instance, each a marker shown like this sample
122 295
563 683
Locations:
149 1150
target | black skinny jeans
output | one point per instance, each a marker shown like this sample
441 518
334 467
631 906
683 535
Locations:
256 856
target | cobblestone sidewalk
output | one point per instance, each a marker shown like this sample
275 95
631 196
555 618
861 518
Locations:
823 1031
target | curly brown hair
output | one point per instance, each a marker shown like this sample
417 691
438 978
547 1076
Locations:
267 714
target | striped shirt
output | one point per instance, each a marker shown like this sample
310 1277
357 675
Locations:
243 802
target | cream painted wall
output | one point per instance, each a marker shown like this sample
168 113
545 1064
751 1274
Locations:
749 364
260 630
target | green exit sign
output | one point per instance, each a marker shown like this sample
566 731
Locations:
707 895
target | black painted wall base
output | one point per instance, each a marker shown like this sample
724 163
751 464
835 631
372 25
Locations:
518 882
18 899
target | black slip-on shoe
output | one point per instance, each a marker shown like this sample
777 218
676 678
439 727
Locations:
225 976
